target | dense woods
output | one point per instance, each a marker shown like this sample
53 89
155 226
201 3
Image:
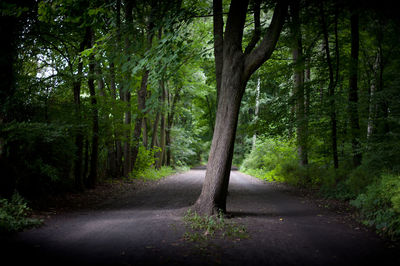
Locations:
302 92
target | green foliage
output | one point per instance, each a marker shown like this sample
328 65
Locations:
269 153
185 147
202 228
41 154
14 215
379 205
152 173
145 158
273 160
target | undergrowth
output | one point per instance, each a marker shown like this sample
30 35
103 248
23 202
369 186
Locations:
379 205
374 192
203 228
14 215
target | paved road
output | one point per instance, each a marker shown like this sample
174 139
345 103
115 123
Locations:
145 228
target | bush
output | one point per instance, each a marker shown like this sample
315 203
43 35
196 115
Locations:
359 179
14 215
37 156
379 205
277 160
152 173
268 154
145 158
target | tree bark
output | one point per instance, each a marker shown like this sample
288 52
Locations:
353 90
237 69
160 160
331 89
253 146
78 115
154 131
92 178
127 96
218 27
170 121
298 58
141 97
117 151
118 143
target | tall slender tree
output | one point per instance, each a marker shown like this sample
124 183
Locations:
298 58
353 89
331 86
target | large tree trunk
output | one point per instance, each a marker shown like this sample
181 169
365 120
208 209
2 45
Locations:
213 197
353 91
236 71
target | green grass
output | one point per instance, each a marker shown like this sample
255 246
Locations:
203 228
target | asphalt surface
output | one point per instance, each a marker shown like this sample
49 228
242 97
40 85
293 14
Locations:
145 228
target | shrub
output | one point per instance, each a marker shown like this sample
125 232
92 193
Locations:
152 173
268 154
145 158
40 156
379 205
359 179
14 215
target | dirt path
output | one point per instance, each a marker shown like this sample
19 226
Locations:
145 228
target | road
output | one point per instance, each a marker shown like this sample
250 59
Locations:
145 228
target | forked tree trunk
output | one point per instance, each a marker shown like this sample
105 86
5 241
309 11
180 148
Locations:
236 71
215 187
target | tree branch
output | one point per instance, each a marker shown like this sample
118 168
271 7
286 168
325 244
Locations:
235 24
257 28
218 41
261 53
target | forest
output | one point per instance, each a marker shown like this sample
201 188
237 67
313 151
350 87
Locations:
305 93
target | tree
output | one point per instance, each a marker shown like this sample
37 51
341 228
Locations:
237 68
353 89
332 84
298 58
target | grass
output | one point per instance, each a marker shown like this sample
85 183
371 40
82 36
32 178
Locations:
203 228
